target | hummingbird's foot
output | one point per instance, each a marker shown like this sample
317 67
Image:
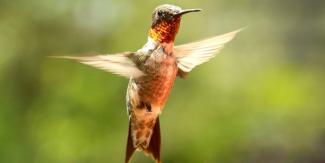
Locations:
148 106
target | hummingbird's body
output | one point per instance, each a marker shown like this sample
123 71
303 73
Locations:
152 71
147 95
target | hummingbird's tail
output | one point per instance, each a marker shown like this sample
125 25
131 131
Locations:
154 145
129 147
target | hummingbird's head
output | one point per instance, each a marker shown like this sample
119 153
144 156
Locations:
165 22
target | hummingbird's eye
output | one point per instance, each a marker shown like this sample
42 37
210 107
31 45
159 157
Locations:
160 13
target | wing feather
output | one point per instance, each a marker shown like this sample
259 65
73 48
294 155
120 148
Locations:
119 64
192 54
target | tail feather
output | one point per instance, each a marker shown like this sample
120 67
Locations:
155 143
154 146
129 147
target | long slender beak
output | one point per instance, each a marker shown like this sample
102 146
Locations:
188 11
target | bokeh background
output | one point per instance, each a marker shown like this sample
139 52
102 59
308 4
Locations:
260 101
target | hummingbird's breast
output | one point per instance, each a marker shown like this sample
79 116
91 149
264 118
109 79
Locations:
156 85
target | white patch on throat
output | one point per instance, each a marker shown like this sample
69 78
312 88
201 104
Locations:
151 45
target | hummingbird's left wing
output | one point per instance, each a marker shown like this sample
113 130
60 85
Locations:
120 64
192 54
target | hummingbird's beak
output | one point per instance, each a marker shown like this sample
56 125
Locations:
188 11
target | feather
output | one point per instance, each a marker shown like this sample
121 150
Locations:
119 64
195 53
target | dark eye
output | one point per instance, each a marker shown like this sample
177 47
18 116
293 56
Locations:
160 13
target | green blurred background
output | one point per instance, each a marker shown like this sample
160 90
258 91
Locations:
260 101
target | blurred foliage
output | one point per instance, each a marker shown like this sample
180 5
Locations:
261 100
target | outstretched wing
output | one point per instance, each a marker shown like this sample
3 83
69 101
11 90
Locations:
193 54
119 64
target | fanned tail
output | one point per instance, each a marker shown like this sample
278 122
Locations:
154 146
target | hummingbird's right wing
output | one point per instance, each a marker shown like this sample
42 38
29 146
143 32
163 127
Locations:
120 64
192 54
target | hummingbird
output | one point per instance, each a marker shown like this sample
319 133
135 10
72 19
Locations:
152 71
